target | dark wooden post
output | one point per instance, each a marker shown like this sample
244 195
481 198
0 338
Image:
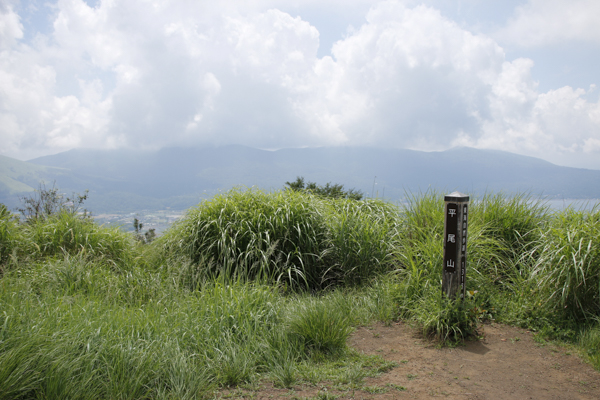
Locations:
455 244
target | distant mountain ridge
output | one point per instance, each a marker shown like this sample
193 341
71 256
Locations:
127 180
18 177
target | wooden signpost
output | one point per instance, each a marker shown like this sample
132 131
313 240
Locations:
455 244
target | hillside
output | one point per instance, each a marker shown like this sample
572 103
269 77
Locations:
127 180
17 177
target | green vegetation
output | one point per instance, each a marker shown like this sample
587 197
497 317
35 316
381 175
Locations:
334 191
145 237
253 286
297 238
45 203
10 234
17 176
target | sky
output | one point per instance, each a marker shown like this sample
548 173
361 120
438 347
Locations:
513 75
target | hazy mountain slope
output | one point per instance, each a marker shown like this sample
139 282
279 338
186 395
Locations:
132 180
21 177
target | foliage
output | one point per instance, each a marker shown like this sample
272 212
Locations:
567 269
75 328
362 239
146 237
590 341
253 234
47 202
335 191
515 224
68 233
10 234
86 313
492 264
55 226
287 236
321 328
446 320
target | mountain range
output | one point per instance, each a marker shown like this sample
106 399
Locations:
177 178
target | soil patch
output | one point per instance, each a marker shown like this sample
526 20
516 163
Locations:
506 363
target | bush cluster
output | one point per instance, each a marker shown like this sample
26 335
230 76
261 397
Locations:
10 234
54 226
88 311
526 264
298 238
62 234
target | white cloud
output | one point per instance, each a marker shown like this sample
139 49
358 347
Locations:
140 74
559 125
407 78
544 22
11 28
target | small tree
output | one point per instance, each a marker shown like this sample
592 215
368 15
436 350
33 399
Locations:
145 237
335 191
137 226
150 235
46 202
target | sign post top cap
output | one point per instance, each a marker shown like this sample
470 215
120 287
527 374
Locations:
456 197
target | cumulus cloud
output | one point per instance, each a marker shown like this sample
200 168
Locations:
147 75
11 28
409 78
544 22
560 125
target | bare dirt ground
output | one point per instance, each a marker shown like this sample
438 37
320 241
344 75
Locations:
506 363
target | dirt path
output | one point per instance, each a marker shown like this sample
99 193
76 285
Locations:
506 364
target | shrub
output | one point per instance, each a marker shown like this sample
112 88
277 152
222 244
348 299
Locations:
567 270
280 236
335 191
67 233
322 329
47 202
10 234
362 239
512 220
299 238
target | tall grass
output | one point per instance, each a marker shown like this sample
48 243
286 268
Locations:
10 235
66 339
527 264
514 220
292 237
253 234
85 312
567 269
362 239
515 224
319 327
61 234
503 237
67 233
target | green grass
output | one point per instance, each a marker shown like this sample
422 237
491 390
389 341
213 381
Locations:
252 234
254 286
10 235
65 340
297 239
567 269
